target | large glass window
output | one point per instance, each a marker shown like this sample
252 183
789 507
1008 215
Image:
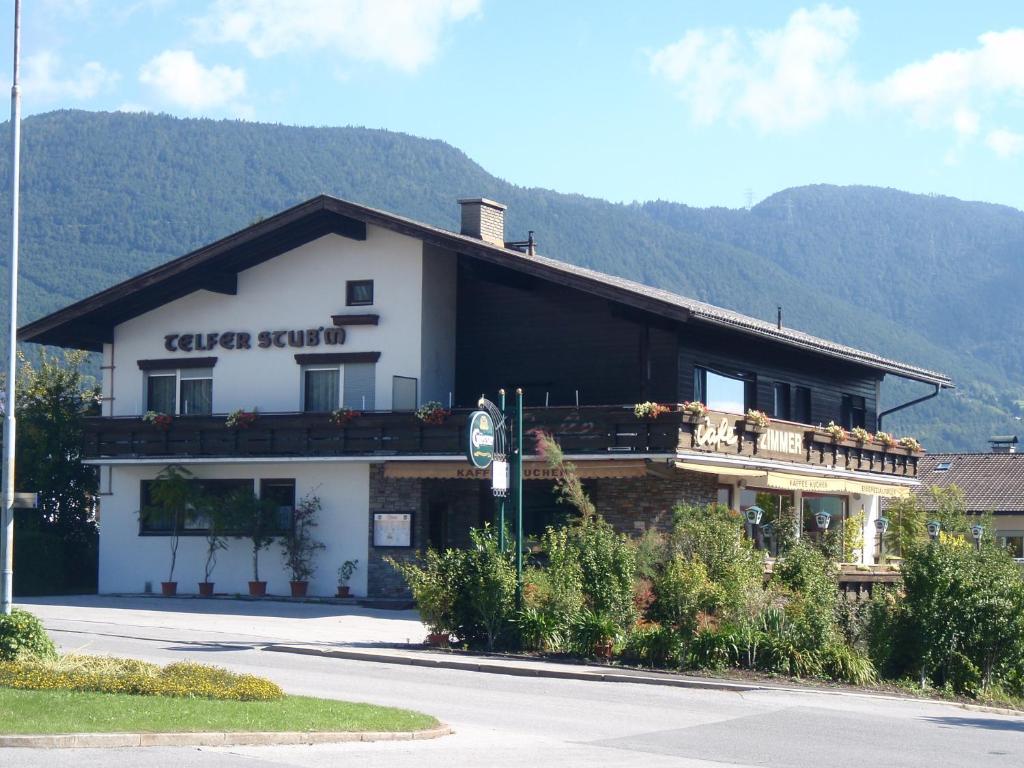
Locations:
160 392
282 494
321 392
360 385
196 392
1015 543
722 393
834 506
777 520
196 522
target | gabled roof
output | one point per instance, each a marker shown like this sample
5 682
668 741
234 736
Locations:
87 324
991 482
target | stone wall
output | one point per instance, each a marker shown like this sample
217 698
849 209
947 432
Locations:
633 505
393 495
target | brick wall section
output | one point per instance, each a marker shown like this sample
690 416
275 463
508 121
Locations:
393 495
634 504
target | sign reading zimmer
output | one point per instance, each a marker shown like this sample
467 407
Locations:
204 342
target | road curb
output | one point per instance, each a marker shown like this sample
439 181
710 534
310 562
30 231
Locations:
212 739
499 668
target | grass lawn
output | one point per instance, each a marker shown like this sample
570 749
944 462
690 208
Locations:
30 712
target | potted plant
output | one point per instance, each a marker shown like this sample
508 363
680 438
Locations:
159 420
836 432
252 518
343 416
860 434
911 444
432 413
172 497
694 410
887 440
756 421
215 541
241 419
344 574
298 545
650 410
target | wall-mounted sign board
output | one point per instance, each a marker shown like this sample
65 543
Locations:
392 529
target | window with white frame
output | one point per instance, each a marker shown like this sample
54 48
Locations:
180 392
349 385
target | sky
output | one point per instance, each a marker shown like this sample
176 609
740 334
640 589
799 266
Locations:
708 104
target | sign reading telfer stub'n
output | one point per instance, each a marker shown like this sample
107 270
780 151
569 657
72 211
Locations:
204 342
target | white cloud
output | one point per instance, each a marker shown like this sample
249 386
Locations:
42 80
1005 143
780 79
402 34
800 74
180 79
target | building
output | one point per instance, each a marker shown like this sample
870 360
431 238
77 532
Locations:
333 305
990 482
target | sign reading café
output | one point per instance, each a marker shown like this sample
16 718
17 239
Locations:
204 342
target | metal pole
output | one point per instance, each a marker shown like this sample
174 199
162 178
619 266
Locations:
501 499
519 497
7 577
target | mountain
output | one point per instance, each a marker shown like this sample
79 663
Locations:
930 280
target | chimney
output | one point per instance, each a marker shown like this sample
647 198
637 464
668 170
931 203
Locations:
484 219
1003 443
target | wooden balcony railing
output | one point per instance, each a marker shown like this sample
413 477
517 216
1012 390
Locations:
586 430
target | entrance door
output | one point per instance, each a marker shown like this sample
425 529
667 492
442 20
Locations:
437 524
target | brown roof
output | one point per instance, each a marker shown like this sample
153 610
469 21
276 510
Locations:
991 482
88 323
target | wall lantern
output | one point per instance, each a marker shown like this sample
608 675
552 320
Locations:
767 530
882 524
977 531
823 519
754 515
934 526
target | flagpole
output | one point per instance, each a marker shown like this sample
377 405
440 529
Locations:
7 542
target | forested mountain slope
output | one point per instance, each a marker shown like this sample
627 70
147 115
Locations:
931 280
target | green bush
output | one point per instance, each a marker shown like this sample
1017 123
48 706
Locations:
105 675
22 634
486 599
813 592
435 583
607 563
540 630
715 648
653 645
845 664
590 630
681 591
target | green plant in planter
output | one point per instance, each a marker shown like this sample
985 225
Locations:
694 409
346 571
836 432
173 495
252 518
650 410
593 633
298 546
860 434
885 439
911 443
758 418
216 536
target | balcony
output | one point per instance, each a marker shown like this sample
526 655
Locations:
586 430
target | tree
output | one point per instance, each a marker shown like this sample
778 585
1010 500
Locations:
54 396
173 496
251 518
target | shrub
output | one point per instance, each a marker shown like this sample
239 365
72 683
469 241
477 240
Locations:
540 630
653 645
434 582
590 630
810 580
106 675
715 648
845 664
607 565
21 635
487 597
681 592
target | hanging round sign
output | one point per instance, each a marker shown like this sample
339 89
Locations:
480 450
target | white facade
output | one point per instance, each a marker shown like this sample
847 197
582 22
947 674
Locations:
414 290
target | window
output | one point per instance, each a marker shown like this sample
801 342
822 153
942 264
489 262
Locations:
719 392
184 392
321 389
352 385
724 497
282 494
943 466
854 411
777 517
359 293
802 405
403 393
780 401
1015 543
195 522
835 506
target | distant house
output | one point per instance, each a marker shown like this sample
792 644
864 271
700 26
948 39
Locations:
991 482
338 323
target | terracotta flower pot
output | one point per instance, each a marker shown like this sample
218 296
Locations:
299 588
168 588
257 589
206 589
343 590
603 650
438 639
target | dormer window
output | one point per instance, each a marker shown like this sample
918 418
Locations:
359 293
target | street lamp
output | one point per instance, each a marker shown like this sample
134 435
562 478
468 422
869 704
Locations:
753 515
977 531
934 526
881 525
823 519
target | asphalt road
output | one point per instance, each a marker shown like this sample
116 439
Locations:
515 721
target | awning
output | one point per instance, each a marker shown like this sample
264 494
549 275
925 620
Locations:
815 484
719 469
532 470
